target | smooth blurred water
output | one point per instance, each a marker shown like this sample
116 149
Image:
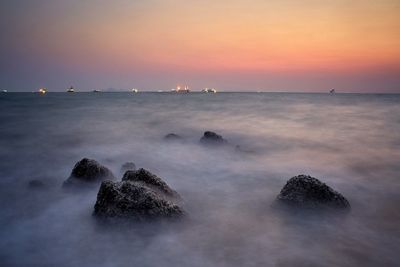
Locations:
349 141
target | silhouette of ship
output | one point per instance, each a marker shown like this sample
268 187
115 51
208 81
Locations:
332 91
179 89
71 90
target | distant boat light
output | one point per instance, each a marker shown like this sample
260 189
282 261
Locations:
42 90
179 89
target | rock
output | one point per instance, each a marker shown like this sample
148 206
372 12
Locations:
139 196
128 166
36 184
150 180
308 192
211 138
173 137
88 171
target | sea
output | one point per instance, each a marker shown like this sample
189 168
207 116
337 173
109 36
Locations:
351 142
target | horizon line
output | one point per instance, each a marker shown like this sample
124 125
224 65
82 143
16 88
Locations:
234 91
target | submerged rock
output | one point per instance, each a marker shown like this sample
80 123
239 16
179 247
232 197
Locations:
308 192
212 138
88 171
244 150
36 184
128 166
140 195
173 137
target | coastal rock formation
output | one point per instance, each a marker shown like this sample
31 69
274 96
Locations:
88 171
128 166
173 137
140 195
308 192
212 138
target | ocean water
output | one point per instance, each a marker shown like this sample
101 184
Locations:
349 141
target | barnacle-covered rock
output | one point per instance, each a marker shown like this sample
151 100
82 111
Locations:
306 191
140 195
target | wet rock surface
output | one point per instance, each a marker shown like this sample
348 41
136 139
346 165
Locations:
307 192
140 195
150 180
212 138
88 171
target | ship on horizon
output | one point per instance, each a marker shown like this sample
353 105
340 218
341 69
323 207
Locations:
180 89
71 90
209 90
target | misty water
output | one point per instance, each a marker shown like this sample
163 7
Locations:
349 141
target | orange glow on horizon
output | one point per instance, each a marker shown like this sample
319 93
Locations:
273 36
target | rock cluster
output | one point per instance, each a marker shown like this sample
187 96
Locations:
140 195
307 192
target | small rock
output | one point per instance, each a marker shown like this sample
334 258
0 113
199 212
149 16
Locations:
36 184
306 191
88 171
128 166
211 138
139 196
173 137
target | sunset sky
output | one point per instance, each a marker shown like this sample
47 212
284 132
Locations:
282 45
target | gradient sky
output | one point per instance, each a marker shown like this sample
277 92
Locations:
282 45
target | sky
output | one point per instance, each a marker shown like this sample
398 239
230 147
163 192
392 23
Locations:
237 45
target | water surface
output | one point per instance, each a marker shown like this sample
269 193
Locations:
349 141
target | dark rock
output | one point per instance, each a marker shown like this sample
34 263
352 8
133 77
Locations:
173 137
128 166
88 171
308 192
211 138
140 196
150 180
36 184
